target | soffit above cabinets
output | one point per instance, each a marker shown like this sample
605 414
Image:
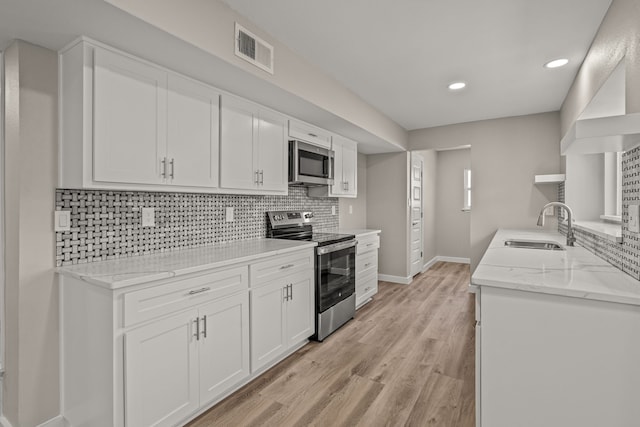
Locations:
603 126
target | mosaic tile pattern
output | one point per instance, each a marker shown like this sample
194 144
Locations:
107 224
625 255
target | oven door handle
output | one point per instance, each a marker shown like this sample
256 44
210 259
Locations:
336 247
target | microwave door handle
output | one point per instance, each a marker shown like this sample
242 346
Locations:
331 155
296 161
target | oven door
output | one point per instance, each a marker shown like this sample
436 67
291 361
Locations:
335 274
309 164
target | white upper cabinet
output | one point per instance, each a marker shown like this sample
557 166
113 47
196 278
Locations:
253 148
308 133
193 133
345 171
129 118
127 124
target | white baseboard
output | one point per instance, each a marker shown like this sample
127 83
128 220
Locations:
58 421
454 259
4 422
395 279
429 264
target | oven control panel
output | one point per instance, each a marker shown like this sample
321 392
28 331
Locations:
289 218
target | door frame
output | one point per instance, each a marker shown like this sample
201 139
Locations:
416 156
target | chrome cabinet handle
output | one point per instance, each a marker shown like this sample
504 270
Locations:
291 291
313 135
284 267
204 330
199 291
197 334
261 177
257 173
367 264
172 168
163 162
285 293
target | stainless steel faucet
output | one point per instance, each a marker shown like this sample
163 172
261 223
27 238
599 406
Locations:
570 237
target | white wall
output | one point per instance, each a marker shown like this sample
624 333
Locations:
584 186
358 217
31 383
506 154
617 38
387 184
209 25
453 225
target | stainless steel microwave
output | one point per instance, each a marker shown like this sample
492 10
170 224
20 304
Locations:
310 164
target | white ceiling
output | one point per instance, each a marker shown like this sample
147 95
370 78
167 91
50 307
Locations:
400 55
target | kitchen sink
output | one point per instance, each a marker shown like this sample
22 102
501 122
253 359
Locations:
533 244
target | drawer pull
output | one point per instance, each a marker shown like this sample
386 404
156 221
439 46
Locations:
199 291
284 267
367 265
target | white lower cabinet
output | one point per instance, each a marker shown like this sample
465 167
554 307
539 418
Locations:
366 268
281 317
175 365
159 353
161 365
551 360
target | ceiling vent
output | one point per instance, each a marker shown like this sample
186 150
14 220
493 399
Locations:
252 49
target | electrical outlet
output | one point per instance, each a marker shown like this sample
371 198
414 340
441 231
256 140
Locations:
633 223
351 209
333 210
148 217
62 221
229 214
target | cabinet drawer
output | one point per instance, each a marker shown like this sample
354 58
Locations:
308 133
265 271
368 243
368 278
152 302
366 261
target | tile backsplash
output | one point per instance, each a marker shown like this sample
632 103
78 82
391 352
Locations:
625 255
107 224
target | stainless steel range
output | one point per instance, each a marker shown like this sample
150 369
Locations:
335 267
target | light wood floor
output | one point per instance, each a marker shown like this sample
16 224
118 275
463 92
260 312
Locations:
406 359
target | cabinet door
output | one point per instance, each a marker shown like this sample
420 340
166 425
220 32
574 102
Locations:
129 119
272 152
338 186
267 324
350 168
224 350
193 138
238 170
161 365
300 308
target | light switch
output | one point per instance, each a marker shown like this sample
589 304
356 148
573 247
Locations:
633 224
148 217
62 221
229 215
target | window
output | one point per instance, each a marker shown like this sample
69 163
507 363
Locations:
612 187
467 190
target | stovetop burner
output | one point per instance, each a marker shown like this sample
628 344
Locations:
297 225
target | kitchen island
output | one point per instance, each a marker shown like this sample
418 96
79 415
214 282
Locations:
556 336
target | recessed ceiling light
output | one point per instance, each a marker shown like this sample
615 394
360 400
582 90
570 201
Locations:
457 85
556 63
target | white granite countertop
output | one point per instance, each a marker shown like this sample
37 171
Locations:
574 272
118 273
358 231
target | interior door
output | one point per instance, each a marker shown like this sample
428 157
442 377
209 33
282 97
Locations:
416 240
